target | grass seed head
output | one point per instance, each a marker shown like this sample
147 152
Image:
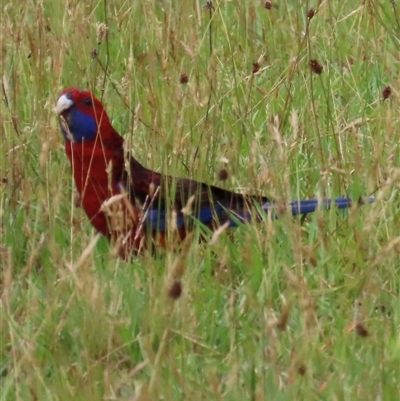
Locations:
386 92
184 79
301 370
102 32
361 330
223 174
268 5
310 13
256 67
175 291
316 67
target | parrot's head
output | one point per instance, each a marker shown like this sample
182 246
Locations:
82 116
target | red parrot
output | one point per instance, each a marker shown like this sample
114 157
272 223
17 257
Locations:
132 205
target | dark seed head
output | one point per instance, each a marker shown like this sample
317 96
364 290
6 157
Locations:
310 13
361 330
316 67
256 67
302 370
184 79
268 5
209 5
175 291
386 92
223 174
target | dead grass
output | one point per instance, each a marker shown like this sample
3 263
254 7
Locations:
290 104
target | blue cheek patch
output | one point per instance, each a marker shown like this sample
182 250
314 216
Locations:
82 127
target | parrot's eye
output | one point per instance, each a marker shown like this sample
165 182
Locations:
87 101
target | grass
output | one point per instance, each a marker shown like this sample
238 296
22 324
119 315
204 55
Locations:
278 310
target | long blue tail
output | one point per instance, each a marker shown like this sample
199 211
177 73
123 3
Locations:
158 220
311 205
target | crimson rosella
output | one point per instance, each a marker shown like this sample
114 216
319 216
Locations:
133 205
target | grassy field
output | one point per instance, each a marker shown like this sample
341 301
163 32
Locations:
272 311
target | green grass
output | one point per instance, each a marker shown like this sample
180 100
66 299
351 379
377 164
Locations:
274 310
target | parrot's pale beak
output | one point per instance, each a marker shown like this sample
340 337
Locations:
63 104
